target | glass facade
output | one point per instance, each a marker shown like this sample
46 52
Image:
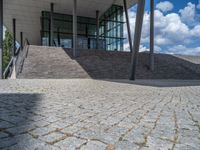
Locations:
111 30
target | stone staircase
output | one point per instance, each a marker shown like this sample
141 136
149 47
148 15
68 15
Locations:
57 63
50 62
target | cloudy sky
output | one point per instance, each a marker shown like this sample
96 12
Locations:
177 27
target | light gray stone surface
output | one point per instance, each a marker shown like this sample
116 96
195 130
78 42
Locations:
79 114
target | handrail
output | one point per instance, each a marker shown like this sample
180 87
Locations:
14 60
27 42
7 71
54 43
9 67
25 54
17 51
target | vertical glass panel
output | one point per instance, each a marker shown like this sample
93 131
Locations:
45 38
63 30
112 28
66 43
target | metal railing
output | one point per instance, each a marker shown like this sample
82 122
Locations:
16 63
55 44
8 71
22 56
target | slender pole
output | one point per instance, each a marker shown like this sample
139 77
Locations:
116 33
128 26
49 32
152 36
75 29
88 39
137 37
51 25
1 39
58 36
97 28
21 40
14 37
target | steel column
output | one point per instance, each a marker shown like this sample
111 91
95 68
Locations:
128 26
1 39
137 37
58 36
151 59
51 25
75 28
14 37
21 41
97 28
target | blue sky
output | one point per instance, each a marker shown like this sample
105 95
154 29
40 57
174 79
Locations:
177 27
178 4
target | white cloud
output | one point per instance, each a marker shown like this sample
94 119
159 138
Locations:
173 28
188 14
165 6
181 49
161 40
143 48
170 31
157 49
196 31
198 5
126 47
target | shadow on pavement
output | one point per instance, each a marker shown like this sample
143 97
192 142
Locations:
17 114
160 83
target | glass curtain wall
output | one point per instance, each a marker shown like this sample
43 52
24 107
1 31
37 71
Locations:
111 30
63 30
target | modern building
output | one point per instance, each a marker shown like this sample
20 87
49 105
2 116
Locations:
76 24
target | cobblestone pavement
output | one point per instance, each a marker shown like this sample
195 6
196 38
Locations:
99 115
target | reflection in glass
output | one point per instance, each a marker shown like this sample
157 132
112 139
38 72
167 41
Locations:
111 30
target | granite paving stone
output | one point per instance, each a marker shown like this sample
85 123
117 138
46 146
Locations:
87 114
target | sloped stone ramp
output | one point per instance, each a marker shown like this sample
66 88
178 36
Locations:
58 63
